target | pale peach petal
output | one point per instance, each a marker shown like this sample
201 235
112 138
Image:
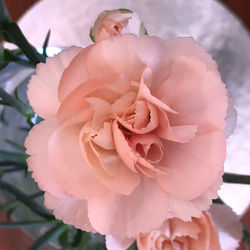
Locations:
127 213
182 46
43 87
208 238
228 225
70 210
123 149
122 103
104 137
199 161
140 118
75 101
116 177
181 228
180 134
67 162
101 110
144 92
37 147
148 146
133 51
75 74
192 93
113 243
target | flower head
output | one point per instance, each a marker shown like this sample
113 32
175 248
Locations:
116 22
132 132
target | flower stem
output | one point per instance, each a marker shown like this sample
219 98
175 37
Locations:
236 178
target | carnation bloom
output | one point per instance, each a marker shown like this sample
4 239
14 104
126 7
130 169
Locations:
219 228
116 22
132 133
198 234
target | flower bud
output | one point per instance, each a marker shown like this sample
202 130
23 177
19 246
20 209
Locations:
116 22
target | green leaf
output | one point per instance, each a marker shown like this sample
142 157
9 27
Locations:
236 178
143 30
133 246
123 10
15 145
45 44
11 163
64 240
25 199
52 233
79 236
218 201
9 205
4 14
92 34
19 105
11 32
13 157
24 223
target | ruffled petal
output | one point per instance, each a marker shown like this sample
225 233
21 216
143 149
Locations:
36 144
192 167
70 210
136 54
107 166
113 243
43 86
198 95
127 213
75 101
67 162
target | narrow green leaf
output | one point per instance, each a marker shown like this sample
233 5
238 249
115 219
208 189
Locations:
64 240
133 246
15 145
236 178
33 196
78 238
24 223
45 44
13 157
25 199
52 233
218 201
20 106
4 14
10 163
9 205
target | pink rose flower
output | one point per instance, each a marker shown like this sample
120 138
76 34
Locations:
198 234
132 133
116 22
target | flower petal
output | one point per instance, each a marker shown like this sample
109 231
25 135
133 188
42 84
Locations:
36 144
67 162
199 161
70 210
198 95
43 86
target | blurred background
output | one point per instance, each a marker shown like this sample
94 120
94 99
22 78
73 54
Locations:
70 25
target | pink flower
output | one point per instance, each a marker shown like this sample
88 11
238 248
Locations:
116 22
197 234
132 133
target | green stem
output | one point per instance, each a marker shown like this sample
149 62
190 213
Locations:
236 178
